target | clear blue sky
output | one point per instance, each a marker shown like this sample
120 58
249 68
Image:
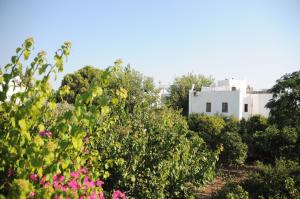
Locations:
258 40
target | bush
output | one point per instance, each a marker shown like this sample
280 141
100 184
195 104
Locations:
213 129
208 127
279 181
232 191
235 151
274 143
147 153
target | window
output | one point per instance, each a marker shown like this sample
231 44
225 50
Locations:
224 107
233 88
246 108
208 107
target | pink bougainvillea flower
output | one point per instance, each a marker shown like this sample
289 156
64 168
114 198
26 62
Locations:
46 184
93 195
45 134
99 183
75 174
32 194
92 183
119 195
73 185
83 170
86 180
34 177
58 178
57 197
101 195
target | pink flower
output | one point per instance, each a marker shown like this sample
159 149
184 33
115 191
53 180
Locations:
58 178
83 170
119 195
99 183
75 174
73 185
101 196
47 184
93 195
45 134
92 183
86 180
32 195
34 177
57 197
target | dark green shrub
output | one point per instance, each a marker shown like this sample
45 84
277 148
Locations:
235 151
232 124
208 127
232 191
279 181
213 130
274 143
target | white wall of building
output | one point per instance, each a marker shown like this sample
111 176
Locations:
236 98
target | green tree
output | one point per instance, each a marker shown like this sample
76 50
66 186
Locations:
140 89
285 104
79 82
179 90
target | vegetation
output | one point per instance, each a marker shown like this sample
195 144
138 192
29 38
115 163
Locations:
179 90
220 131
103 135
97 146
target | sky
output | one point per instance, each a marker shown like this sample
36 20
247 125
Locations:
256 40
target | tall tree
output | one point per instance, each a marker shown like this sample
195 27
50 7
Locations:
80 81
140 89
285 104
179 90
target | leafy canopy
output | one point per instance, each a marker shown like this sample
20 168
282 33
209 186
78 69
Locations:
179 90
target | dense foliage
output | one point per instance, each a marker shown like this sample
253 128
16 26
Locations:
59 150
285 104
179 90
281 180
216 131
141 91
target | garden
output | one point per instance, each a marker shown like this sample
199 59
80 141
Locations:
103 134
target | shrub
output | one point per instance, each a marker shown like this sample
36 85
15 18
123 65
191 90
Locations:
274 143
235 151
279 181
208 127
220 130
147 153
248 128
232 191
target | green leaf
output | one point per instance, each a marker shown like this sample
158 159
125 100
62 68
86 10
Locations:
23 125
105 110
18 50
26 54
36 162
58 62
77 143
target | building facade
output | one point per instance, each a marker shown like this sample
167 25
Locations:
229 97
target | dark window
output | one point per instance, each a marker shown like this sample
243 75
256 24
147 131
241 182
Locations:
245 107
233 88
224 107
208 107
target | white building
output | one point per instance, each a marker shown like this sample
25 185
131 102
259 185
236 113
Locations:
229 97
